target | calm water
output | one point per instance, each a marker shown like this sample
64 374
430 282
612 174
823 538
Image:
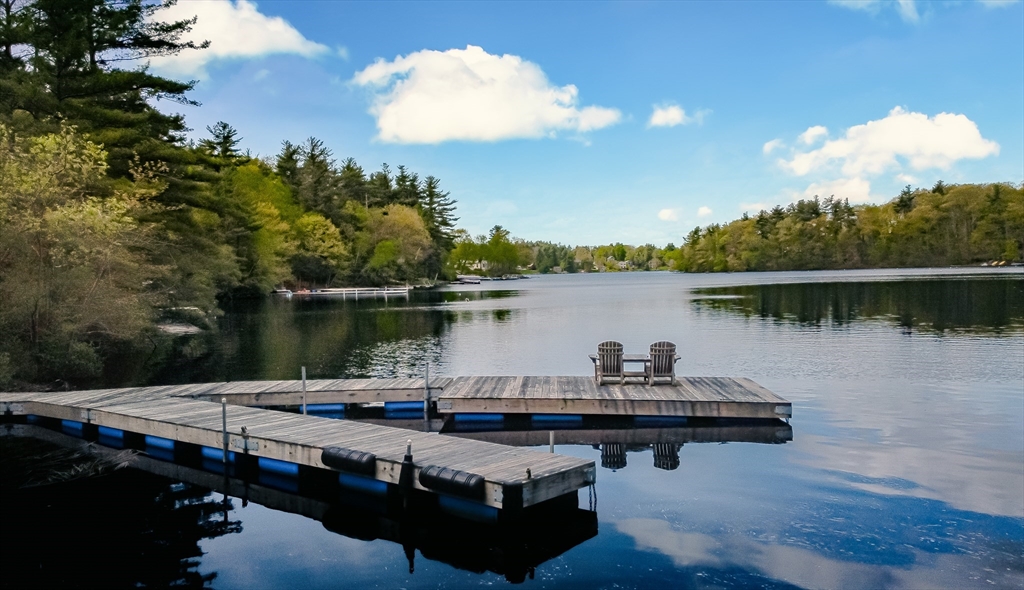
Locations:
905 468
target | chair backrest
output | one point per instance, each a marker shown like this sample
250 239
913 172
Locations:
663 358
609 354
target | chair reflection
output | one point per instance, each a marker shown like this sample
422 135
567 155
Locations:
616 438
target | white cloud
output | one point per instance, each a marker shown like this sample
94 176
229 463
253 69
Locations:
261 75
342 52
235 30
754 207
770 146
468 94
813 134
907 178
922 141
906 8
670 115
668 215
704 212
857 190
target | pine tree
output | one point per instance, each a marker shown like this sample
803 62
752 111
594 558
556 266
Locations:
407 188
223 142
287 164
437 208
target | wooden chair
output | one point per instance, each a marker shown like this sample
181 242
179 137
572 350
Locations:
609 363
662 363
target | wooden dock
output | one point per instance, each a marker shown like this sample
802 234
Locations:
513 552
699 397
514 478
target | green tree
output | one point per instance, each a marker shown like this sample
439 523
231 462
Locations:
74 270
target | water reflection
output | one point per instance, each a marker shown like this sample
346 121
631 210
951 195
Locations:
993 305
905 472
613 438
123 529
182 510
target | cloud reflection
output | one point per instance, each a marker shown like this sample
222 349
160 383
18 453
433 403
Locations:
809 569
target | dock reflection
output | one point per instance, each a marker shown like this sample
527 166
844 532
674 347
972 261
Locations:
615 437
512 549
664 442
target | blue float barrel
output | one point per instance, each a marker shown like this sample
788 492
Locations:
72 428
279 467
363 485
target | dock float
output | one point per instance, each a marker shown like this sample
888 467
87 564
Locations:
498 476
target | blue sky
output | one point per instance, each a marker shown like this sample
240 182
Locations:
588 123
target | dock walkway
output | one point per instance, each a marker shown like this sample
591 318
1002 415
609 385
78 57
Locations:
698 397
513 477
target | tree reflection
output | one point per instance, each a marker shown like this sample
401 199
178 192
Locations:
123 529
974 305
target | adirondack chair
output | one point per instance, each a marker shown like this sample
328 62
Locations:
608 363
662 364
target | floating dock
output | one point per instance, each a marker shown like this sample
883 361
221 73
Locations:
698 397
354 293
512 551
485 473
695 397
497 476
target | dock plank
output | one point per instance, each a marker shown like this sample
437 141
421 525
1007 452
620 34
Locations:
711 397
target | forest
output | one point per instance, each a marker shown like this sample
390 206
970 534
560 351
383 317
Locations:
942 226
113 222
946 225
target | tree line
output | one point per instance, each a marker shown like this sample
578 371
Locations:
945 225
942 226
112 221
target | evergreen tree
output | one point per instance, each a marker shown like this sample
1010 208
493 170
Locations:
407 188
316 178
353 182
223 141
287 164
379 187
438 209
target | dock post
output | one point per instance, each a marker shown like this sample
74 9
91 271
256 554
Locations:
426 394
303 390
551 441
224 428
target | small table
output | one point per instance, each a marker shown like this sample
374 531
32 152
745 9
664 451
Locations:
641 359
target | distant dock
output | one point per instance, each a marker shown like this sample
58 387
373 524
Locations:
354 293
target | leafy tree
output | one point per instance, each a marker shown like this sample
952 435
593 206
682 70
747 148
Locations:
74 270
394 244
322 255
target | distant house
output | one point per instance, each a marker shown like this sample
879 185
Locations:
624 265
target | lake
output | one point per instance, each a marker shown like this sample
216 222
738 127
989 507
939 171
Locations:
902 467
